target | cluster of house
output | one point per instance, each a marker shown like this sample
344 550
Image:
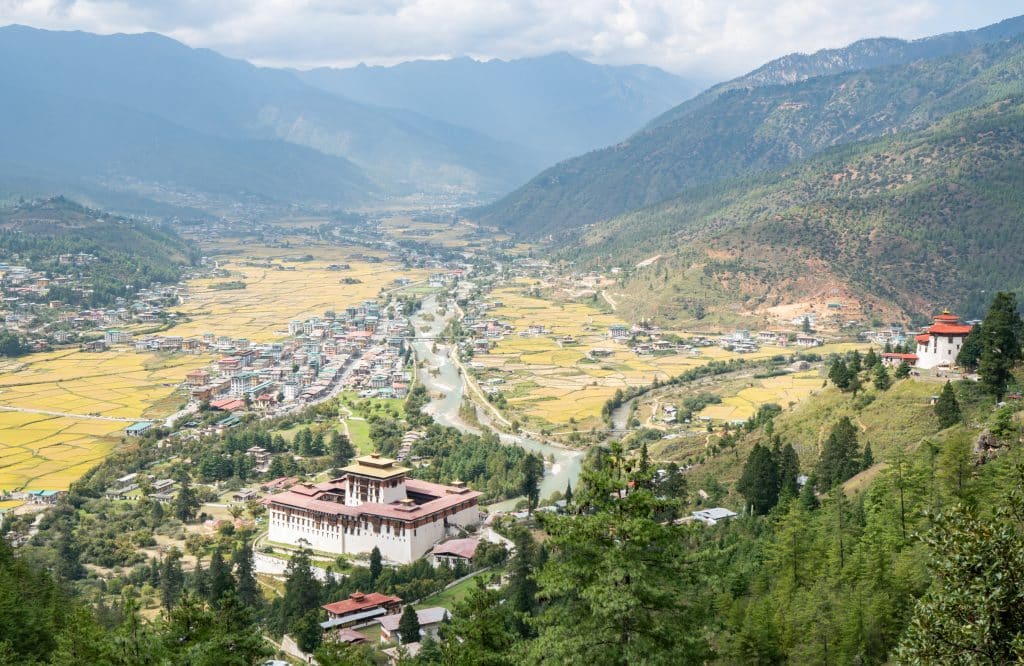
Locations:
54 322
360 348
362 610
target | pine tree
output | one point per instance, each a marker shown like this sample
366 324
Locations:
871 359
947 408
376 564
869 458
301 592
855 364
839 374
902 371
248 590
881 378
172 579
840 457
522 588
759 483
409 625
186 504
1001 344
568 494
808 500
219 577
787 462
970 353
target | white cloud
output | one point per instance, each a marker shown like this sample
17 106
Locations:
710 39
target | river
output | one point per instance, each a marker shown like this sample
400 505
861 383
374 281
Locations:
440 375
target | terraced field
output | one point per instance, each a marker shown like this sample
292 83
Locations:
100 393
556 384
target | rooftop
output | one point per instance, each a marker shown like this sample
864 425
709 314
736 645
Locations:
357 601
376 466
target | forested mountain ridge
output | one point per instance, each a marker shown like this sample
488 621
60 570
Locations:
553 106
125 255
746 130
912 223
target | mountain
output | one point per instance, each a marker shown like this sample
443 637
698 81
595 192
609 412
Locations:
759 124
256 120
906 224
553 106
125 254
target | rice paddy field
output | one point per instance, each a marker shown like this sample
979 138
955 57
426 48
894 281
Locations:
76 408
550 383
273 297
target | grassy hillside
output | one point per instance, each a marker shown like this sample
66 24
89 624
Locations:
747 130
920 221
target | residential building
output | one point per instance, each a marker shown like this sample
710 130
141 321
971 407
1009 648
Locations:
359 608
430 620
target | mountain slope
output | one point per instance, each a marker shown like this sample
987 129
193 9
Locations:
744 130
554 106
910 224
201 91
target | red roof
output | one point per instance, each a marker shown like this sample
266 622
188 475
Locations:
905 357
227 404
357 601
942 328
947 318
464 548
923 338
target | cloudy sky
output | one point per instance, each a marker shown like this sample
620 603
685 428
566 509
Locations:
705 39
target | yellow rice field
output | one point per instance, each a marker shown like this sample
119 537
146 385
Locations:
558 383
272 297
48 451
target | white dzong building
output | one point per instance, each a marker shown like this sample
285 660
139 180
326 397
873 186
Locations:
940 343
372 504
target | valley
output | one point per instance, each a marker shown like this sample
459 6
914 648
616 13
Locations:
354 350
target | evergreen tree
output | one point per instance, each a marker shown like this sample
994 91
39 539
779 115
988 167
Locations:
218 577
248 590
881 378
947 408
840 457
855 362
533 472
970 353
186 504
376 564
787 462
301 593
341 449
409 625
1001 344
808 500
853 386
306 630
759 483
522 588
902 371
568 494
479 631
839 374
172 579
276 469
869 458
972 613
871 359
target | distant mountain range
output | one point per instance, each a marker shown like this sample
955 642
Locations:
145 116
553 107
785 111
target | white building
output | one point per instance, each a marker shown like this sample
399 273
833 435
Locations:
940 343
372 504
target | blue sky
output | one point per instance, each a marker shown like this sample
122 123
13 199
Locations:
702 39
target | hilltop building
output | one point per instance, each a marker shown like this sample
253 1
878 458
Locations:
939 344
372 504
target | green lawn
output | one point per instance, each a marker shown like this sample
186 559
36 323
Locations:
448 598
359 433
